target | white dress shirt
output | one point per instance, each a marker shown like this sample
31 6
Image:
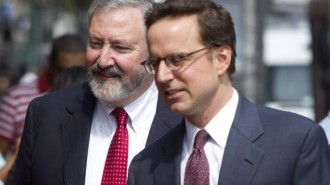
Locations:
325 123
218 129
141 113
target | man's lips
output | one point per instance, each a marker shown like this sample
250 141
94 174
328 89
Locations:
106 75
171 92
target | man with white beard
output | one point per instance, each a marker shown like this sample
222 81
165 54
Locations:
71 136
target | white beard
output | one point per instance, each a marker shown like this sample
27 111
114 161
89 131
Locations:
113 91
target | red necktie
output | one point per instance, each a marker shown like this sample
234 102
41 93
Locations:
197 169
115 168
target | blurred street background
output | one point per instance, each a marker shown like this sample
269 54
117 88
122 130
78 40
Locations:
282 45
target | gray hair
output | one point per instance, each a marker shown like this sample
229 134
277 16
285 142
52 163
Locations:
98 5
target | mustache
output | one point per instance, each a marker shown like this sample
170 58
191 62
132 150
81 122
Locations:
108 71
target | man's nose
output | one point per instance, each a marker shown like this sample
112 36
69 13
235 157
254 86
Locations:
106 57
163 73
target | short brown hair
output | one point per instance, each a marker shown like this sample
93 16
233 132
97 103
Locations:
215 23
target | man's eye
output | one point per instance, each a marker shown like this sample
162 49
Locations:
175 60
122 49
95 45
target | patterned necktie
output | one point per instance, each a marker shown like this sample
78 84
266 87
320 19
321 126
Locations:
115 168
197 169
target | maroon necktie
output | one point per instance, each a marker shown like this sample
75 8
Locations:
115 168
197 169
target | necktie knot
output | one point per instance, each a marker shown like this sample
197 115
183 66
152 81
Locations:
200 139
121 116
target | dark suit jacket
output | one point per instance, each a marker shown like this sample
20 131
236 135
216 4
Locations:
54 144
264 147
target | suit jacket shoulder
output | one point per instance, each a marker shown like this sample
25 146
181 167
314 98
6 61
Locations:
160 161
54 143
263 140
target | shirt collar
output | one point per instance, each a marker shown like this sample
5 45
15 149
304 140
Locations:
219 126
137 107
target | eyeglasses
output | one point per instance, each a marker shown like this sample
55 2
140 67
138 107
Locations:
173 62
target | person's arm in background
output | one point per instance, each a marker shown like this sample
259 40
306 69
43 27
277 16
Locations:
4 171
4 146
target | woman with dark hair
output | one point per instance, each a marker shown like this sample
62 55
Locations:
68 77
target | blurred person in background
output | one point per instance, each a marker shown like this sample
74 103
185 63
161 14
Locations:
70 135
5 81
7 170
69 77
66 51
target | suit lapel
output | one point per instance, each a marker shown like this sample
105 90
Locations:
167 170
75 136
163 122
241 159
242 156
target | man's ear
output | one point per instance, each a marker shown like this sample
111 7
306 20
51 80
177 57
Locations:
223 57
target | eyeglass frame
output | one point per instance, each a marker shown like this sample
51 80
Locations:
181 57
